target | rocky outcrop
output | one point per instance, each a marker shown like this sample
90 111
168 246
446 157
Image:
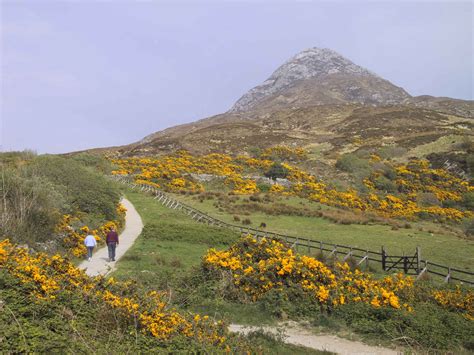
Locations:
325 70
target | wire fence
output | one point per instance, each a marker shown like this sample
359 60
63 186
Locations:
409 264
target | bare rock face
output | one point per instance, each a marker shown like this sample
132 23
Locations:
331 77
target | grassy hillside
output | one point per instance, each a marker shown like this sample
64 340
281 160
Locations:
169 255
39 194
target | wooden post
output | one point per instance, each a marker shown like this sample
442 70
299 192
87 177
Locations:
418 260
384 256
367 260
425 269
405 264
296 244
448 276
349 254
309 246
321 247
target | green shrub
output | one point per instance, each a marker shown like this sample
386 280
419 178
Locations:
468 201
352 163
390 152
84 190
264 187
384 184
97 162
427 199
277 171
428 326
36 190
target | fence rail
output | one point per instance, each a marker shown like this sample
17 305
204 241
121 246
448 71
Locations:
410 265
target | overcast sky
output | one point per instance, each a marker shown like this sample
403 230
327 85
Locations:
77 75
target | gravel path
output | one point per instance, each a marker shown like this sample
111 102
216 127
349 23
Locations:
296 335
133 227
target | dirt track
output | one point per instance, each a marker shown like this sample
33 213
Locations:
99 264
296 335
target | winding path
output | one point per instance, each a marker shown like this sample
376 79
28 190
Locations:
292 333
99 264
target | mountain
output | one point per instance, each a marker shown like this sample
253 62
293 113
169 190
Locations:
325 103
317 77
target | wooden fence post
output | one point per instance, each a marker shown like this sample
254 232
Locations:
384 261
418 260
448 276
425 269
405 264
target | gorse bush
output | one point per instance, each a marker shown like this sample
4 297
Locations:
285 283
258 267
49 305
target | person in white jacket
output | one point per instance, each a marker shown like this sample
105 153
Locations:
90 244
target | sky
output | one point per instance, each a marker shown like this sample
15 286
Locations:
83 74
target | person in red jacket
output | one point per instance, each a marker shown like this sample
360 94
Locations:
112 240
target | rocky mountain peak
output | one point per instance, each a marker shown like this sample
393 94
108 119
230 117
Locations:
313 64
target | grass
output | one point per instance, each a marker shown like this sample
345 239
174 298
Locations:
168 249
443 144
436 245
167 256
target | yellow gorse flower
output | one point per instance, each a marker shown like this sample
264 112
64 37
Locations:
257 267
174 173
47 276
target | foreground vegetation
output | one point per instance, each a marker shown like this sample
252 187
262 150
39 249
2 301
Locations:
51 306
170 255
50 202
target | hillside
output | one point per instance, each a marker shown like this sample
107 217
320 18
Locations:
325 103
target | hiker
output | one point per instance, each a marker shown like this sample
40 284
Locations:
112 241
90 244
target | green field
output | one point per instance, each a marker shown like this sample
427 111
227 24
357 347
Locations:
170 246
436 245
